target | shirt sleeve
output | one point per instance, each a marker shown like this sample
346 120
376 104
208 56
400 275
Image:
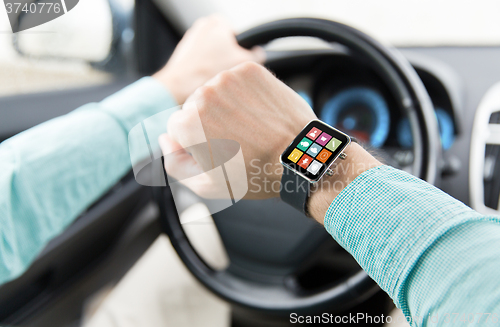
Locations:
435 257
52 172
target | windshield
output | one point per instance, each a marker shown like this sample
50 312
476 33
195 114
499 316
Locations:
398 22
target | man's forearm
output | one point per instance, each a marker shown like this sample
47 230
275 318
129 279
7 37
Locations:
404 232
54 171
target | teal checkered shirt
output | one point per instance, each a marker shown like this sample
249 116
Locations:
438 259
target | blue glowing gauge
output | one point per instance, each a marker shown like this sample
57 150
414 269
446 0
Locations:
405 139
361 112
446 130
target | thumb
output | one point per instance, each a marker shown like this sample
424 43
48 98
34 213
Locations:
258 54
167 144
179 164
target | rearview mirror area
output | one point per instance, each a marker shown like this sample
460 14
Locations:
79 30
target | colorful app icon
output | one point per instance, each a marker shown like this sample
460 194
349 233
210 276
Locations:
295 155
314 167
305 161
333 144
313 133
323 139
324 155
304 144
314 150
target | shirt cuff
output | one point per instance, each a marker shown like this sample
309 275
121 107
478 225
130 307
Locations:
138 101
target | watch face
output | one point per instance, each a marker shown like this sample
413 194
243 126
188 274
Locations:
314 150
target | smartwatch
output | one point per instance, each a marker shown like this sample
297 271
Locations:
308 158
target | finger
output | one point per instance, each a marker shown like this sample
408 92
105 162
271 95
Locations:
185 127
221 20
179 164
213 21
258 54
168 145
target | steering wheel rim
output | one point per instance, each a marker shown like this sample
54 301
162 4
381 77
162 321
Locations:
411 96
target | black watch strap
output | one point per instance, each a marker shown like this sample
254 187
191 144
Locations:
294 190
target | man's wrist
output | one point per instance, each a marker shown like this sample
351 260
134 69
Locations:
323 193
172 84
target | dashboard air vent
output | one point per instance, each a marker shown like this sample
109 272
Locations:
484 167
495 118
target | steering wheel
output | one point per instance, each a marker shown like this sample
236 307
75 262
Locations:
272 286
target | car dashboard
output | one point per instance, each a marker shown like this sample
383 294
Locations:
348 94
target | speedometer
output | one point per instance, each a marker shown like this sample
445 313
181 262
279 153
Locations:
361 112
446 130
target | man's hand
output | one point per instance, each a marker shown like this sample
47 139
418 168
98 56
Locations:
246 104
206 49
249 105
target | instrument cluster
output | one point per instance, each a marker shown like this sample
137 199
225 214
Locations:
354 99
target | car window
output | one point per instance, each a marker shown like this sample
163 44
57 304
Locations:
400 23
64 66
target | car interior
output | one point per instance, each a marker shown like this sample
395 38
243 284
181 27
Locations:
432 110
